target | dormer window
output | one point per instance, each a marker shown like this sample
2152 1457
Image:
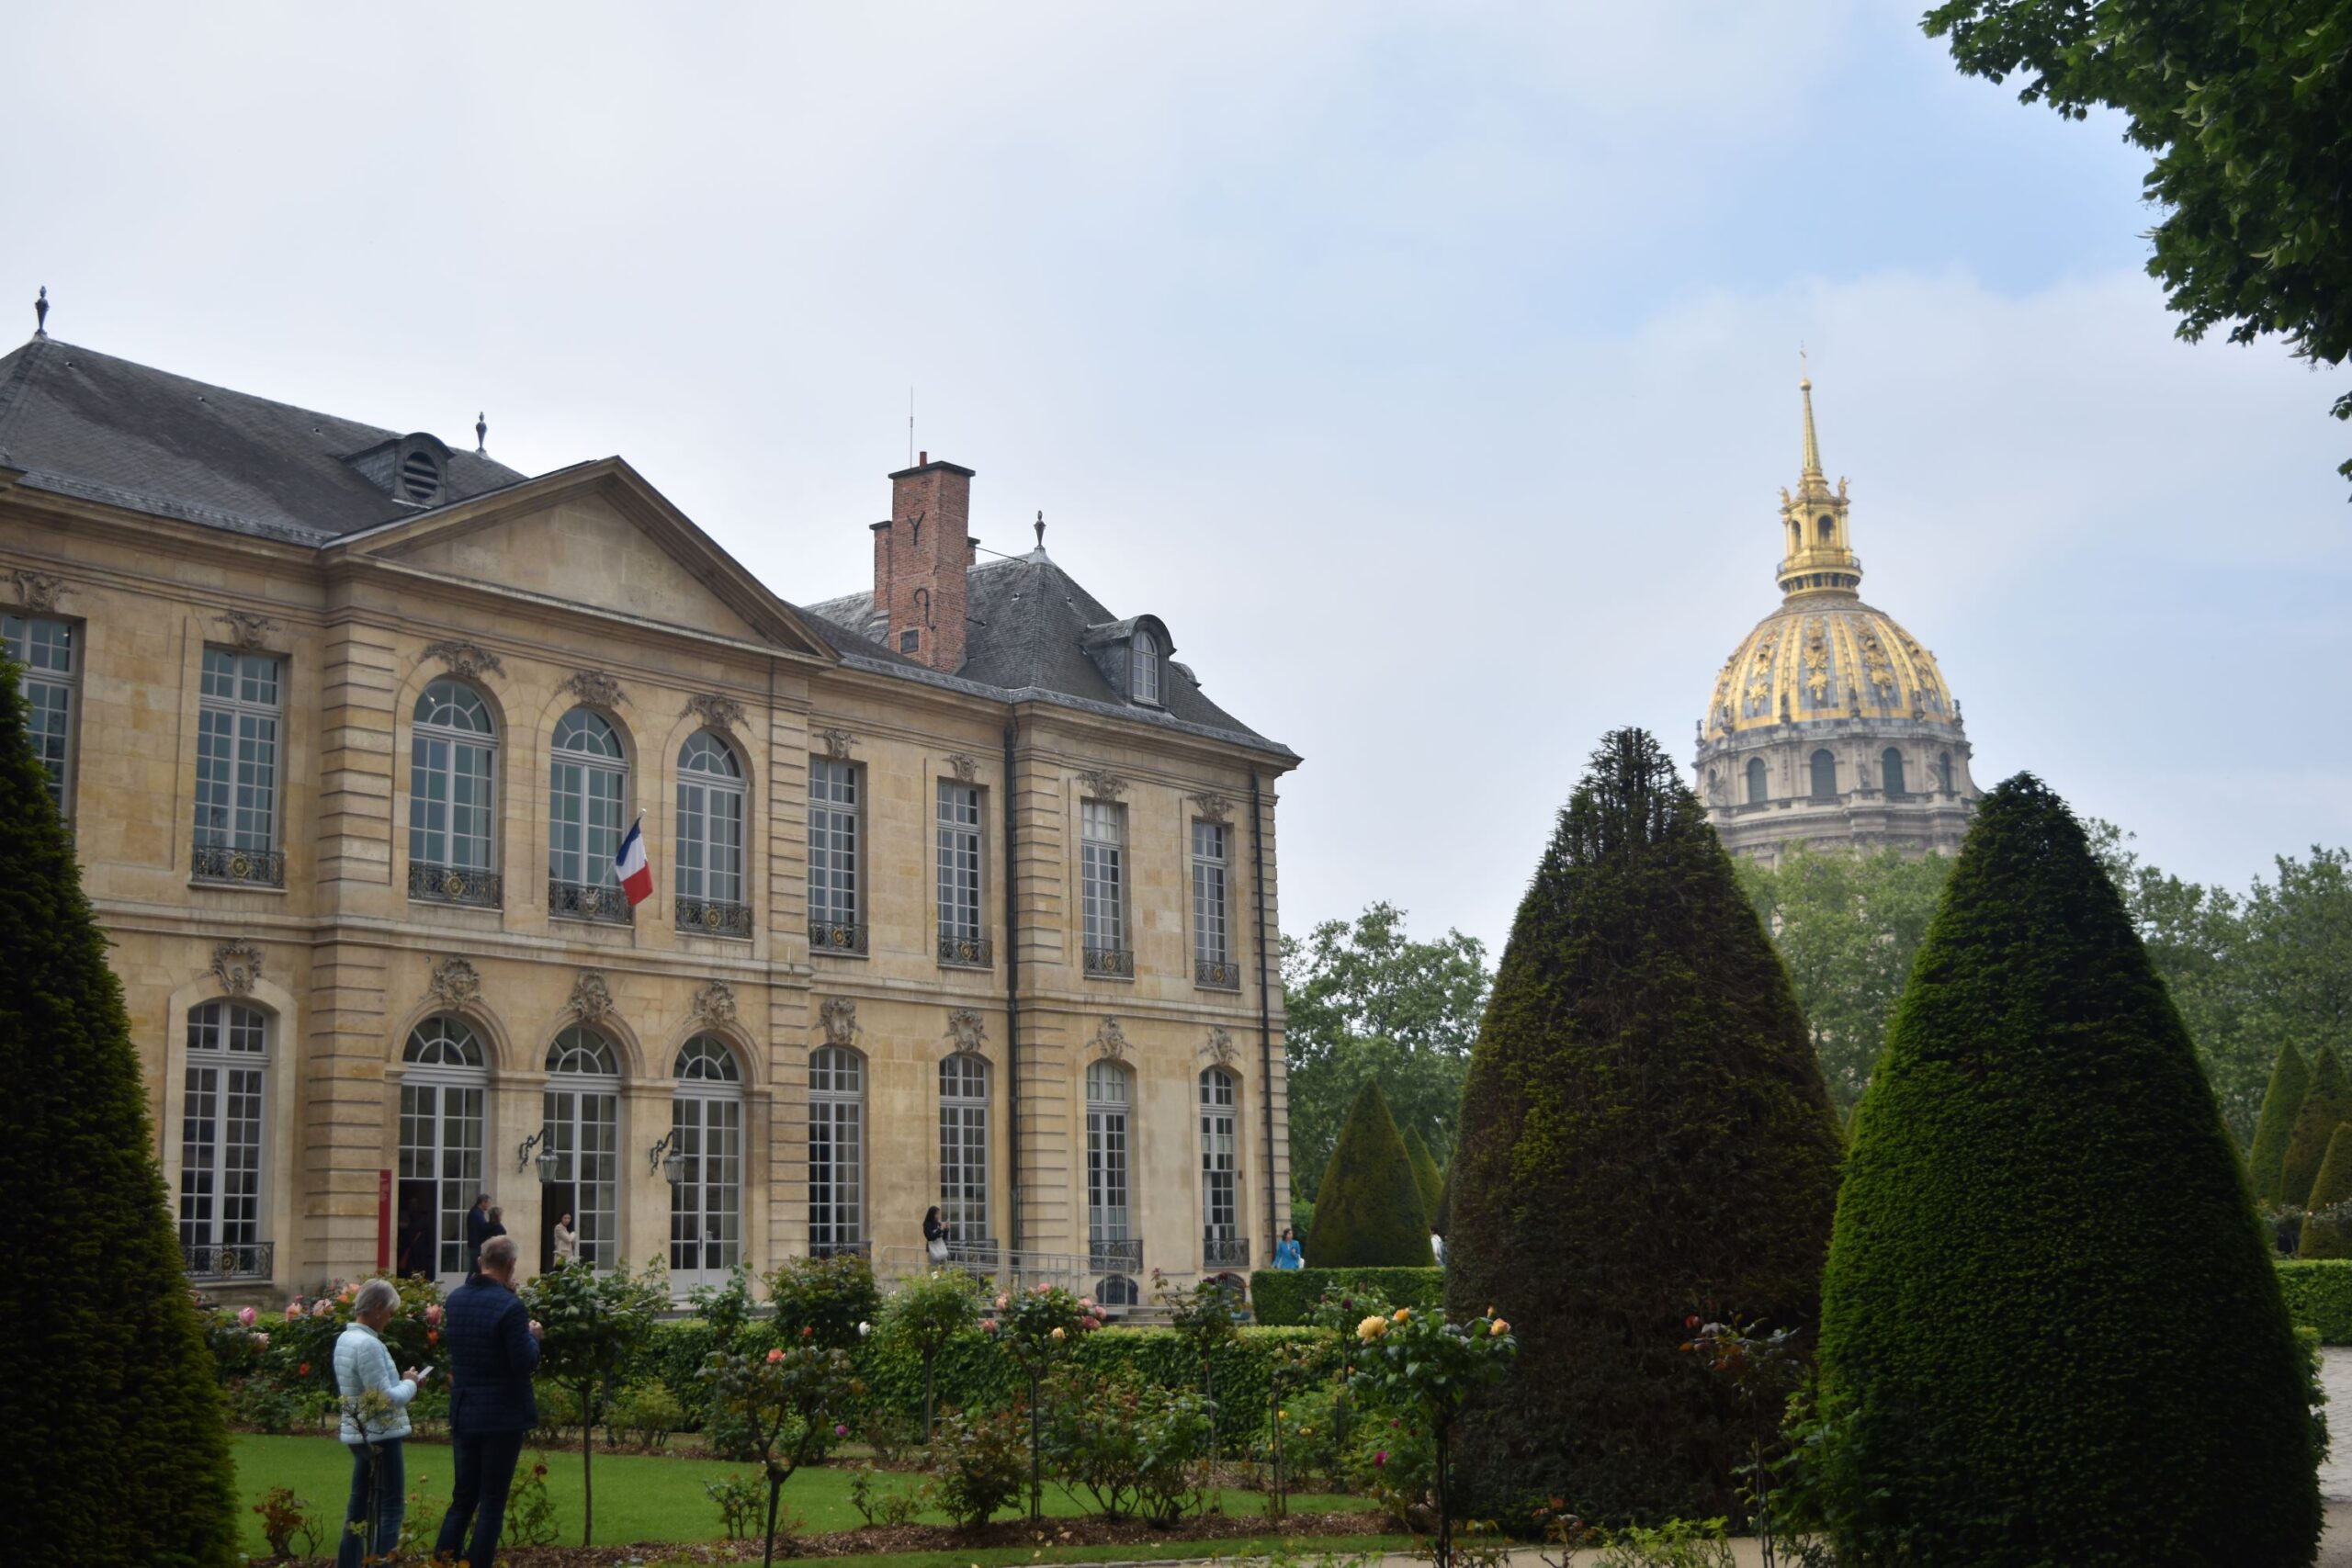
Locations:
1143 668
420 477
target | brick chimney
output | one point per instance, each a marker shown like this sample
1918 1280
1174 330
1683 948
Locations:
919 560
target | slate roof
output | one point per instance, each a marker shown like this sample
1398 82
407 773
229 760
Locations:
87 424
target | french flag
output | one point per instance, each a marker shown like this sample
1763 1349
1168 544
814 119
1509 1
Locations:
636 872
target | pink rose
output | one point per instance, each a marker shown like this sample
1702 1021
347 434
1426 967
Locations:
432 1315
293 1309
773 1357
246 1316
261 1341
1086 1303
988 1325
322 1308
840 1430
1003 1302
1380 1458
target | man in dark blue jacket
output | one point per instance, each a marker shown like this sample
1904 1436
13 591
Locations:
492 1345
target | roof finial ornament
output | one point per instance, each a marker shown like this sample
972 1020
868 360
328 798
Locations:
482 435
1812 445
1041 527
40 314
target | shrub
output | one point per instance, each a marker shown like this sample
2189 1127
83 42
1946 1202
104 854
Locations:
789 1398
740 1500
645 1414
2319 1296
825 1302
2038 1159
1129 1445
1286 1297
1677 1543
597 1326
530 1512
2327 1229
1422 1369
1425 1174
880 1505
1645 1135
285 1518
1369 1211
926 1314
980 1464
2290 1079
2326 1106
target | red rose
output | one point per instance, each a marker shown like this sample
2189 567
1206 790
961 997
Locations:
304 1370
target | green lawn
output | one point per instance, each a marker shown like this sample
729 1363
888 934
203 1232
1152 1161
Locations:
636 1498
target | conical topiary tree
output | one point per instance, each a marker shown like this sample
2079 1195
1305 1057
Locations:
120 1452
1425 1173
1645 1135
2290 1079
1442 1219
2326 1106
1369 1213
2325 1233
2039 1161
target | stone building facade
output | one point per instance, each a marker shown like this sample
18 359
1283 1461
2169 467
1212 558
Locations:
965 893
1830 724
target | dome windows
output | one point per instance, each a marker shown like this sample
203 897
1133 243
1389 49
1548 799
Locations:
1890 763
1943 771
1824 776
1757 793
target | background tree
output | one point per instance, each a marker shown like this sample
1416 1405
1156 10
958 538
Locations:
1369 1213
1425 1173
787 1399
2327 1105
1644 1136
2290 1079
927 1313
2247 106
594 1327
120 1453
1365 1001
2039 1153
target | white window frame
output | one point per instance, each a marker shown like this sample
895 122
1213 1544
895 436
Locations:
586 780
713 806
51 684
1110 1152
706 1204
964 1083
1220 1121
445 1060
837 1078
962 872
1213 905
1142 667
580 1121
437 753
1103 886
224 1085
240 750
836 844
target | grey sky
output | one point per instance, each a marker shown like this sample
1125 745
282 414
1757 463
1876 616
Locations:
1430 370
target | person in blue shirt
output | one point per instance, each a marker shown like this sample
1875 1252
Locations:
493 1346
1288 1254
373 1431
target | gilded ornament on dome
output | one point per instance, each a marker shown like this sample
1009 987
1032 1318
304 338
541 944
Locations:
1816 665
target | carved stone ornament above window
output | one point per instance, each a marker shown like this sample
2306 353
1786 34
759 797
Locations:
836 743
465 660
454 983
714 1004
1213 806
964 765
37 591
591 998
969 1030
1101 784
838 1016
716 711
247 629
1111 1040
236 964
596 687
1218 1048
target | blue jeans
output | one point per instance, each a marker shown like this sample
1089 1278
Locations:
485 1470
383 1476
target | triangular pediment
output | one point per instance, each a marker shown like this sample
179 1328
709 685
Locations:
599 536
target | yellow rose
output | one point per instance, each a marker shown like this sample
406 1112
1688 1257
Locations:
1403 1313
1371 1328
1059 1335
1499 1327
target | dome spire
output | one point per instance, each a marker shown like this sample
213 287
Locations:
1819 555
1811 443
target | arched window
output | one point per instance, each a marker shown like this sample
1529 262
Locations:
1116 1291
836 1150
1822 525
1943 771
1756 794
964 1148
1221 1245
1890 767
1824 776
587 799
1142 667
445 1087
1109 1220
223 1098
582 1123
707 1127
710 839
452 796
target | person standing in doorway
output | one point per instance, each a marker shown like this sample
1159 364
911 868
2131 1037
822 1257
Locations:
374 1433
494 1344
477 1232
567 1241
935 1235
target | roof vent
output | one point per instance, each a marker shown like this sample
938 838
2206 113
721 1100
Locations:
413 469
420 477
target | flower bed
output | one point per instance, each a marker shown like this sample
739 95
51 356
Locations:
1286 1297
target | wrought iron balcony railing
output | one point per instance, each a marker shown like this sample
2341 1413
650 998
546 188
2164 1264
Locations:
1110 962
962 951
1225 1251
981 1253
1114 1255
227 1260
248 868
714 916
1220 974
841 1249
586 901
840 937
453 884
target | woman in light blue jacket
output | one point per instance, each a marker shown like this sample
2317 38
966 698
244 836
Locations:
373 1427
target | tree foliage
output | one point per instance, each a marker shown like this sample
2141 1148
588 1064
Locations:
2246 106
1369 1213
1644 1136
2290 1079
1365 1001
2039 1158
2327 1105
595 1327
120 1452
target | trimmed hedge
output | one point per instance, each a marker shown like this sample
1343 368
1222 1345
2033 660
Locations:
2327 1105
2324 1233
1425 1173
2319 1295
1282 1297
2290 1079
1370 1211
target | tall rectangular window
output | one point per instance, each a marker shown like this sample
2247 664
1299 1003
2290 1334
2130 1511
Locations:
1102 887
836 1150
237 783
964 1148
221 1132
962 936
1222 1243
836 909
1212 925
45 647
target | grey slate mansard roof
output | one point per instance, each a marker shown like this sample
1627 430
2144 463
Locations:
82 424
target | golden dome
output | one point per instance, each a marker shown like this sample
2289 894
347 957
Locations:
1823 654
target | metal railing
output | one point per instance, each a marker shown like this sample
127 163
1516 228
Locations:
841 1249
713 917
250 868
227 1259
836 936
1221 974
1006 1269
1114 1255
586 901
966 952
1115 962
1225 1251
432 883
